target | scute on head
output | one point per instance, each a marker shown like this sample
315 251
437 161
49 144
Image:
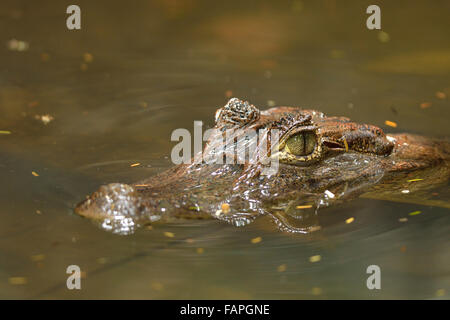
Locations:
236 112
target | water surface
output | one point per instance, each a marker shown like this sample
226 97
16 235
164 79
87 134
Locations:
136 71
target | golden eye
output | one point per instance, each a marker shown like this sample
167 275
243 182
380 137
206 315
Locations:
301 144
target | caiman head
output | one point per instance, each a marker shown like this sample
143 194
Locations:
281 162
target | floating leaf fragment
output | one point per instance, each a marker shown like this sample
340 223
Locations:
413 180
441 95
425 105
281 268
316 291
45 57
200 250
102 260
17 280
158 286
306 206
349 220
256 240
135 164
415 213
315 258
391 124
35 174
169 234
88 58
5 132
37 257
383 36
403 219
17 45
440 292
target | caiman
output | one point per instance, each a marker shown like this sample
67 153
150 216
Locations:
321 160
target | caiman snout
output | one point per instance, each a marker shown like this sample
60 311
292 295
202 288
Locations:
110 201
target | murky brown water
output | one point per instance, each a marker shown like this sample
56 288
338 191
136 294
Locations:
160 65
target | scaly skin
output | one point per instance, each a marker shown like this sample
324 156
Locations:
348 160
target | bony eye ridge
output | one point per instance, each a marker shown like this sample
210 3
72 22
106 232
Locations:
301 144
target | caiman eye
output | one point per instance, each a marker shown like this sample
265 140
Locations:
301 144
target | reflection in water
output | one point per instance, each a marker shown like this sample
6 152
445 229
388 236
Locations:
160 65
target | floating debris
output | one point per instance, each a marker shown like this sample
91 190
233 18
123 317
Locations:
45 57
200 250
35 173
403 219
228 94
316 291
88 58
33 104
383 36
37 257
158 286
390 124
5 132
315 258
38 212
281 268
413 180
225 208
440 292
46 118
405 191
425 105
169 234
349 220
270 103
415 213
306 206
17 280
256 240
337 54
17 45
189 240
102 260
329 194
441 95
135 164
